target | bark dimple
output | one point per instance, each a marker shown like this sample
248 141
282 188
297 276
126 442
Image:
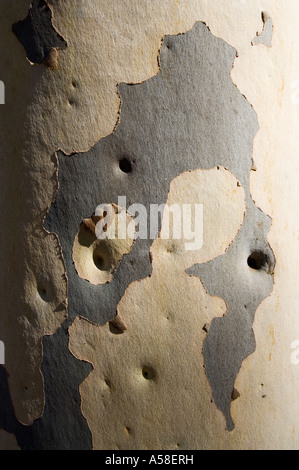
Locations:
37 33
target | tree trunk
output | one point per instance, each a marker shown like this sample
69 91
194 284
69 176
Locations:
149 203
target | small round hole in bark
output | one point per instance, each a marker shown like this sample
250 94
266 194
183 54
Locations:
257 260
148 373
42 292
125 165
101 260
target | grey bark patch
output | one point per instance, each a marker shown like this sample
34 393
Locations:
37 34
265 37
62 426
230 339
189 116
